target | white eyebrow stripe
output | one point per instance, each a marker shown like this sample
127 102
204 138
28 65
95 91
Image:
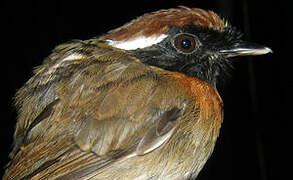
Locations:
139 42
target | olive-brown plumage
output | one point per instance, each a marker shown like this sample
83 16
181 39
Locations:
95 111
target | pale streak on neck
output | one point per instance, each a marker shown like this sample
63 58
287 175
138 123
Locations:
136 43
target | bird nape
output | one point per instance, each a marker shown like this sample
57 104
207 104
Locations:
139 102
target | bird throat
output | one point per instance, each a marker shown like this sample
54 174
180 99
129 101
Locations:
212 71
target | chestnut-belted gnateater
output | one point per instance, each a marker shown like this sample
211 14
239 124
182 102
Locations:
139 102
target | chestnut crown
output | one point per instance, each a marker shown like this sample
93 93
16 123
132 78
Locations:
192 41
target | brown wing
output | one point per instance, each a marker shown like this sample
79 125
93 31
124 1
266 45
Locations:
87 107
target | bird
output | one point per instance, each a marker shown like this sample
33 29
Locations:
138 102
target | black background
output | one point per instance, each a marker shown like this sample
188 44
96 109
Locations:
254 141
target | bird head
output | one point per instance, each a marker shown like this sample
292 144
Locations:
194 42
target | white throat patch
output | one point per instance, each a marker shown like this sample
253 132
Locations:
137 43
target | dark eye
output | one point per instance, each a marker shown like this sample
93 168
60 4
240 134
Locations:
185 43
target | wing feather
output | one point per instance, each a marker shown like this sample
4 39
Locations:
107 110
